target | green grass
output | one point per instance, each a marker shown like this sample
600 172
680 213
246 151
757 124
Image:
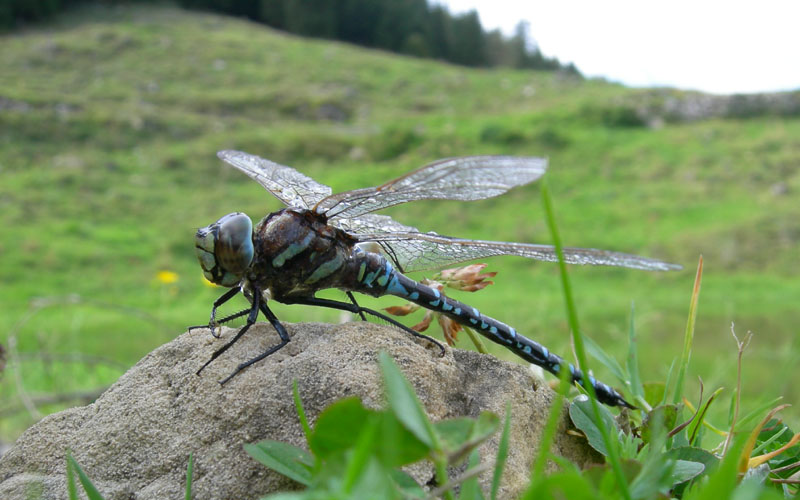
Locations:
110 120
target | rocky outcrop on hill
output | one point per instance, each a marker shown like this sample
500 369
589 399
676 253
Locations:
654 107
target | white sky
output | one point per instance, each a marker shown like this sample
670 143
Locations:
732 46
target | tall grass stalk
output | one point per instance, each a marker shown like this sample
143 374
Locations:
549 431
580 351
189 474
689 335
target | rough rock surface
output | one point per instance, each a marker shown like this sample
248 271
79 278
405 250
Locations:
134 441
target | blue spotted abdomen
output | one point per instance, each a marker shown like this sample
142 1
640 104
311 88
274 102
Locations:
377 277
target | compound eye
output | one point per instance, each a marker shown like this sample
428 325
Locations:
225 249
233 248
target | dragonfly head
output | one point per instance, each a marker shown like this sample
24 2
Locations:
225 249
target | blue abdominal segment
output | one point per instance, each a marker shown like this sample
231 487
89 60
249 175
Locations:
377 277
386 280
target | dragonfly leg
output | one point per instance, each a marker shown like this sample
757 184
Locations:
281 332
222 321
353 300
357 309
213 322
251 319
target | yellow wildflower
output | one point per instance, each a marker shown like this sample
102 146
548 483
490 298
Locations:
167 277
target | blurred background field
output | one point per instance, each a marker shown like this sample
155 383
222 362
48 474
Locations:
110 119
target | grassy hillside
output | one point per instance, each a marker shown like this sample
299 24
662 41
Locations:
109 124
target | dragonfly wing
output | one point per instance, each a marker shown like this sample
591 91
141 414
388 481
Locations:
467 178
285 183
415 251
376 226
372 224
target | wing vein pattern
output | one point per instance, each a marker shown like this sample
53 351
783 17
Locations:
416 251
285 183
464 179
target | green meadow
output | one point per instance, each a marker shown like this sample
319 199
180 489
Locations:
109 124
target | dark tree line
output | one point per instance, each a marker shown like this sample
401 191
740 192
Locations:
15 13
412 27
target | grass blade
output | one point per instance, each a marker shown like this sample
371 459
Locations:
752 438
301 413
88 487
189 470
476 340
549 431
470 489
689 335
72 490
580 351
598 353
502 453
632 362
699 418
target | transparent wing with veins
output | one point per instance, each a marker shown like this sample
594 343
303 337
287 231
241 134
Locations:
415 251
285 183
465 179
468 178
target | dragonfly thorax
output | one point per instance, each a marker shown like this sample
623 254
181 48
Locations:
225 249
298 253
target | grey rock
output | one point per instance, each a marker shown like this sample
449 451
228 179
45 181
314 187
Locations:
655 107
134 441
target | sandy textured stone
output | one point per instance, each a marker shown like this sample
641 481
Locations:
134 441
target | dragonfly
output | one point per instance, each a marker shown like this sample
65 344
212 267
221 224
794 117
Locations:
323 240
